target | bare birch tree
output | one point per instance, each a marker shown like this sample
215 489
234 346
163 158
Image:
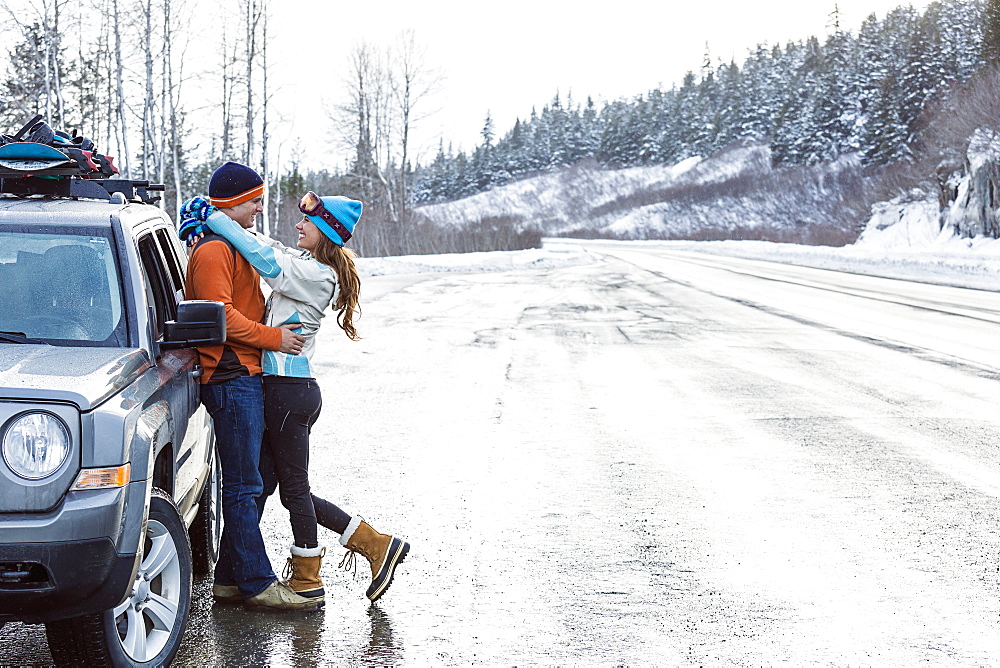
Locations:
355 115
228 87
54 51
384 93
367 117
42 56
149 130
265 129
252 11
412 81
122 127
173 79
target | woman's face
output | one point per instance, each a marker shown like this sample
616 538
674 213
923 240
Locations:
309 234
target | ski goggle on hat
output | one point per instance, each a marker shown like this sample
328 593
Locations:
335 216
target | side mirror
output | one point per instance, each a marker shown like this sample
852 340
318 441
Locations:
199 323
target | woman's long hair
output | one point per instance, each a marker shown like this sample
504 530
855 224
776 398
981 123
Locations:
341 260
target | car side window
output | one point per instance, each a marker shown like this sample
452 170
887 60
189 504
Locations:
176 274
159 291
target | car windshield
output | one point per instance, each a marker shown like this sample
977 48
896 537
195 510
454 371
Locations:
59 285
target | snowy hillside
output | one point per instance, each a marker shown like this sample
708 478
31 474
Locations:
562 201
556 200
733 194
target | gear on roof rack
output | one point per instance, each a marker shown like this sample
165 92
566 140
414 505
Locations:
37 160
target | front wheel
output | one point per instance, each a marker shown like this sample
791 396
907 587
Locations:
146 628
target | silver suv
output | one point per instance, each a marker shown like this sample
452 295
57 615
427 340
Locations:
109 486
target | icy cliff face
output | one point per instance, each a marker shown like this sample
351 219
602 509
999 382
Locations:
972 196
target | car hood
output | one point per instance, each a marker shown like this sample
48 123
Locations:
83 376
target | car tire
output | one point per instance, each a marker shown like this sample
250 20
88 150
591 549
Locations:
147 627
206 530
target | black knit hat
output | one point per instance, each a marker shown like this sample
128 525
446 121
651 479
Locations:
234 184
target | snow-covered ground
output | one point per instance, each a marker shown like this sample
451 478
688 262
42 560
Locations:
549 257
902 240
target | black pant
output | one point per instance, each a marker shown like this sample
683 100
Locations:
291 406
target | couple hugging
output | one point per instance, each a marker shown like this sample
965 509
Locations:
260 390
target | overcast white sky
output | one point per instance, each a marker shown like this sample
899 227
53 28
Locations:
507 57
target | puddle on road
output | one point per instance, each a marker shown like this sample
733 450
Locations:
338 634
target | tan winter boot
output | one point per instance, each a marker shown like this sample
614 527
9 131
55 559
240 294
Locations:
279 596
383 552
302 571
226 593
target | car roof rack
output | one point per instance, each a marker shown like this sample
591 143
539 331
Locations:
37 160
74 186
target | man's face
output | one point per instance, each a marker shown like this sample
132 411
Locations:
245 213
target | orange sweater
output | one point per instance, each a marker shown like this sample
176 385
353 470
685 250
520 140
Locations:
218 273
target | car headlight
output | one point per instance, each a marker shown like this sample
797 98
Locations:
35 445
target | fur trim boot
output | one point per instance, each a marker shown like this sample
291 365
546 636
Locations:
302 571
383 553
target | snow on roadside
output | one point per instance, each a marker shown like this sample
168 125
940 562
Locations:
902 240
535 258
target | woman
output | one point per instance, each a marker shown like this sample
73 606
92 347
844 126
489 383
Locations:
304 283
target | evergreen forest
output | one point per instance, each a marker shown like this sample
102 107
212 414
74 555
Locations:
810 101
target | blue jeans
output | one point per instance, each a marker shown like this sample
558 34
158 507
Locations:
237 408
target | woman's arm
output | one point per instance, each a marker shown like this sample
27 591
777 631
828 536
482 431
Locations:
260 256
285 270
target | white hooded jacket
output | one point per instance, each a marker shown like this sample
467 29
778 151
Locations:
302 289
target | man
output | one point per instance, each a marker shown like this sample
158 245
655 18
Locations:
232 391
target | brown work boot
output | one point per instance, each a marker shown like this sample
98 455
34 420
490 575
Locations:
279 596
302 571
383 552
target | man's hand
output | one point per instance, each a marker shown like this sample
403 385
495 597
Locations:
191 231
290 341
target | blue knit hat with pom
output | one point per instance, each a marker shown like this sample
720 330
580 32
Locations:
347 211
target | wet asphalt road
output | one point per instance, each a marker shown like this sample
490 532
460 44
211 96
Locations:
657 458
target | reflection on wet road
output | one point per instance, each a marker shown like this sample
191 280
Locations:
655 459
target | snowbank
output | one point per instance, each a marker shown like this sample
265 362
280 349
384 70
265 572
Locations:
535 258
901 240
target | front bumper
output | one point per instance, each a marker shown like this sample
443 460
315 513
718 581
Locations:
43 582
77 559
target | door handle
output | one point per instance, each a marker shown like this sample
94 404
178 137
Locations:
197 372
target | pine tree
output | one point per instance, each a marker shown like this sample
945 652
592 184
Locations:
487 132
961 25
870 72
991 32
540 145
885 135
668 127
689 116
836 105
556 119
924 74
757 96
730 105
